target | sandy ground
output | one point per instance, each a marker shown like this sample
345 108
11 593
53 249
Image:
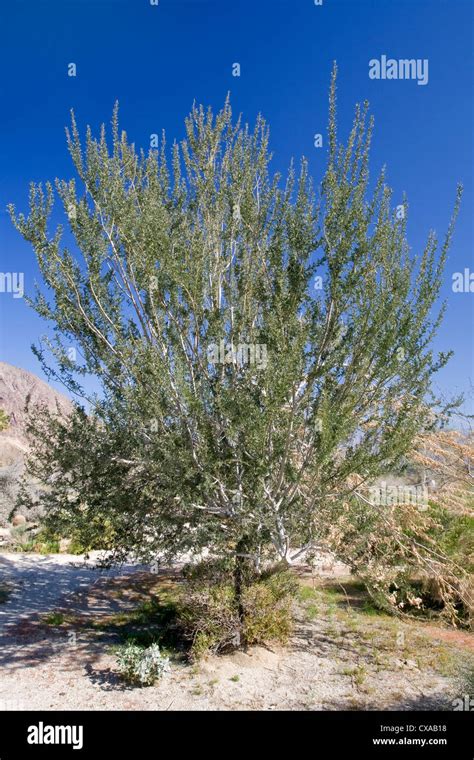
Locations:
328 665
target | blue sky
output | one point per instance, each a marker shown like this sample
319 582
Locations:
156 60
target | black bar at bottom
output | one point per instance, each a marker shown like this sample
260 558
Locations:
221 734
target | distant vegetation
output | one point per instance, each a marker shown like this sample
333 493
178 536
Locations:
4 420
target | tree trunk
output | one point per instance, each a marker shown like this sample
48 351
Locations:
239 583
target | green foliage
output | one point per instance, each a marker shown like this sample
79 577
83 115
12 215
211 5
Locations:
4 420
209 617
93 534
5 591
43 541
209 620
54 618
358 674
153 622
248 453
268 609
445 585
141 666
305 593
311 611
455 536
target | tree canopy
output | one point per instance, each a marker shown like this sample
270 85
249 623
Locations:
263 344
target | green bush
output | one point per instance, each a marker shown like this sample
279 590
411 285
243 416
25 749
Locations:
89 533
208 611
268 609
445 592
457 539
141 666
454 536
42 542
208 618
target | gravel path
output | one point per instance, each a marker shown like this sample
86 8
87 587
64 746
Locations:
39 581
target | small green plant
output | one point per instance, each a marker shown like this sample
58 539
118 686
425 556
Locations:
306 593
4 420
41 542
5 592
141 666
370 608
358 674
54 618
235 678
311 611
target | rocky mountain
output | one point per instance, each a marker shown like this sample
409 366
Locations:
15 386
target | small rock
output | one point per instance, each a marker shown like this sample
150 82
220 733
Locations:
64 544
18 520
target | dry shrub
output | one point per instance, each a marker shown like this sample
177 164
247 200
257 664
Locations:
268 609
208 610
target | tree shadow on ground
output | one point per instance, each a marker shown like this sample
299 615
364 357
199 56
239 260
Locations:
72 610
106 679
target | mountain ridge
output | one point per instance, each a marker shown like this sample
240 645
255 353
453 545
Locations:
16 384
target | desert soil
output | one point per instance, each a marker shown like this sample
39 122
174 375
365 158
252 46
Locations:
338 658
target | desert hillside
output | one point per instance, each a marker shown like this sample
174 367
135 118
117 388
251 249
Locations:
15 386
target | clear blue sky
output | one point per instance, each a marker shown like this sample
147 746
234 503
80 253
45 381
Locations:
157 60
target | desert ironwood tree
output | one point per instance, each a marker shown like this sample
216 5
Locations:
260 347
